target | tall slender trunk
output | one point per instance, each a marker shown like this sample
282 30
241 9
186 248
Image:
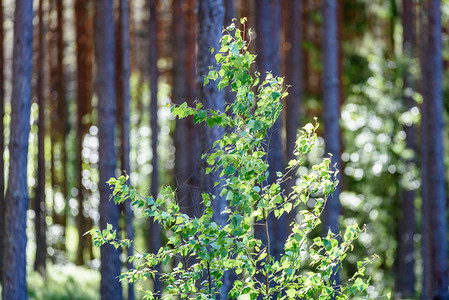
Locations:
268 28
62 113
210 17
16 200
123 67
331 106
181 141
39 200
331 110
105 89
436 187
154 230
84 61
192 93
405 278
294 78
210 24
2 141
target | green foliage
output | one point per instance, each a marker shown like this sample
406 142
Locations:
378 164
64 283
205 250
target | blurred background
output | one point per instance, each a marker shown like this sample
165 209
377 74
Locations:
373 72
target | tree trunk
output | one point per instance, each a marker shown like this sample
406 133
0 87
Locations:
268 28
123 68
2 141
154 228
109 212
294 78
16 200
331 106
183 154
62 112
39 193
436 188
331 110
84 61
211 17
405 278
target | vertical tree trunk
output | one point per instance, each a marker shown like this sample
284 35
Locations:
436 188
16 200
211 17
331 109
405 278
123 68
268 28
192 93
62 111
294 78
58 109
2 141
109 212
154 228
183 156
39 200
229 12
331 105
84 61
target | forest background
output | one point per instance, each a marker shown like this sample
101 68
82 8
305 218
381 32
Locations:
71 71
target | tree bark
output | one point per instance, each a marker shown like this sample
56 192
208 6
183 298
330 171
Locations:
183 145
268 29
331 111
123 68
211 18
436 188
39 193
154 228
109 212
16 200
294 79
62 112
405 278
84 62
331 106
210 24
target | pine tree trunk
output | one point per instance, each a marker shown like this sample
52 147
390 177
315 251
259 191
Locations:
293 78
62 113
211 17
154 228
109 212
39 200
331 106
84 61
405 278
268 29
16 200
436 186
331 110
123 67
183 155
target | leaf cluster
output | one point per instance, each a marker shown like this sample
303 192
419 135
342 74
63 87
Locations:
204 250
